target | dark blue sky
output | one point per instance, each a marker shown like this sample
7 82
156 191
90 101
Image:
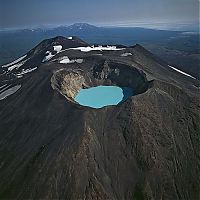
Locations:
27 13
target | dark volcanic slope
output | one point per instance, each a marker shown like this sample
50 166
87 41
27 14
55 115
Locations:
52 148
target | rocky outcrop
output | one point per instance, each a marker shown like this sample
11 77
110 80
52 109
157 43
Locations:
68 83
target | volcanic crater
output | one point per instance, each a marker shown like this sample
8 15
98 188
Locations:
103 73
54 148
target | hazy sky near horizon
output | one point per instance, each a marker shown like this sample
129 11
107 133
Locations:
28 13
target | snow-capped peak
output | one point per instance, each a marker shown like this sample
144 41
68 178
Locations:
81 26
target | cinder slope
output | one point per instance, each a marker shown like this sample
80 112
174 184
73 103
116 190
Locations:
145 148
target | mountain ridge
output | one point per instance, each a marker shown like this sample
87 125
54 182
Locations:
53 148
179 49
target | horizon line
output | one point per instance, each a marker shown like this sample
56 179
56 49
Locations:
152 25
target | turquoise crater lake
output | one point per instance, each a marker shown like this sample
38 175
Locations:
100 96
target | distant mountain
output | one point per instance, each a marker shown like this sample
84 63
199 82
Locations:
78 29
51 147
82 26
175 47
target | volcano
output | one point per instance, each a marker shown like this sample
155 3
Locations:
51 147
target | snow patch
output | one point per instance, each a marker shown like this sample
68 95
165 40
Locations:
9 92
99 48
3 86
79 60
66 60
25 71
14 62
16 66
19 76
126 54
181 72
48 56
57 48
83 49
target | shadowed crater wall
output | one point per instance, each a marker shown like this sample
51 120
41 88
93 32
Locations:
108 73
